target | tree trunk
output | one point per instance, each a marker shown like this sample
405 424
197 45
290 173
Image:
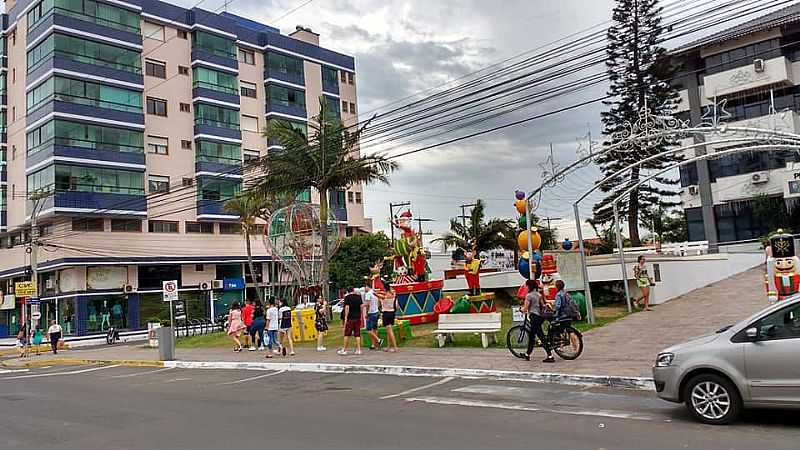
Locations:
250 265
323 234
633 211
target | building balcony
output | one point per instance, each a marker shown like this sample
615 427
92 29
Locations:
62 148
101 203
3 175
339 212
292 78
229 167
86 110
3 218
204 92
298 111
79 22
776 72
214 210
200 55
330 87
210 129
787 121
62 61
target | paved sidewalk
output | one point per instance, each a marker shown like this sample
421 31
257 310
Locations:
623 348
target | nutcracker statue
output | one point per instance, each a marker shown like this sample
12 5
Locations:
783 279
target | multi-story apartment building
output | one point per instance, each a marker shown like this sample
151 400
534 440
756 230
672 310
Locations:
135 118
752 72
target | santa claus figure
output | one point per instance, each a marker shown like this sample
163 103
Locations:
783 279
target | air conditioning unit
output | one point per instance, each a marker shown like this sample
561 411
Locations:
758 65
217 284
759 177
205 286
128 288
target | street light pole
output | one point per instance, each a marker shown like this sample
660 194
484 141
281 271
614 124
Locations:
392 206
464 212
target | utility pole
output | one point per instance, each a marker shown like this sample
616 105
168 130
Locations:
419 221
392 206
37 198
550 229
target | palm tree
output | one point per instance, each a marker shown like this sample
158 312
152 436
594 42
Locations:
326 159
478 235
250 205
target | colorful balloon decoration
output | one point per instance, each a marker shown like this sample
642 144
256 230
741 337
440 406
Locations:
520 205
522 239
524 263
519 195
567 244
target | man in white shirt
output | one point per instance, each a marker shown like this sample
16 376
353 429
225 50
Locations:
273 325
371 302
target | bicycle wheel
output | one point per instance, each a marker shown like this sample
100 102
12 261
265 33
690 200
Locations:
517 341
568 343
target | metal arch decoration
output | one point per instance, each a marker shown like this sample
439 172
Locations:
550 170
649 129
585 154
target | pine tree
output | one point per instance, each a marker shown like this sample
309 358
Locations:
640 73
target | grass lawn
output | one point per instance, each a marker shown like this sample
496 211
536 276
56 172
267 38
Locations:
423 334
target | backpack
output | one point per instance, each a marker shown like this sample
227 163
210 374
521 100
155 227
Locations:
570 308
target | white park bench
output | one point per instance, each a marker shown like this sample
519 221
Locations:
485 324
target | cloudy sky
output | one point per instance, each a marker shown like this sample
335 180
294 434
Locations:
406 47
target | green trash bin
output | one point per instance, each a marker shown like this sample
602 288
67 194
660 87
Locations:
581 301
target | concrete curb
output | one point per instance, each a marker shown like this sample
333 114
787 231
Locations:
639 383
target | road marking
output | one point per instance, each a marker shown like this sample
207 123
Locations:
73 372
175 380
252 378
136 374
417 389
523 407
13 370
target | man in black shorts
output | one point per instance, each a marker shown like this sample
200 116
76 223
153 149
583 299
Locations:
353 306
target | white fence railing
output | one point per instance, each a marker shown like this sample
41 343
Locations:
676 249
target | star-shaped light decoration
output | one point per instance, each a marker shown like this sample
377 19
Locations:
549 170
715 115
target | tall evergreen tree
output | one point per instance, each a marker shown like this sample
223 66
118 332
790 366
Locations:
640 73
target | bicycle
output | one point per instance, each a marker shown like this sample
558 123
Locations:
563 338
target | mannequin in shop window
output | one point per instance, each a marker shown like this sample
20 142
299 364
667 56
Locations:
92 317
106 322
116 312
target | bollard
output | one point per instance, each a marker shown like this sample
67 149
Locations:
166 344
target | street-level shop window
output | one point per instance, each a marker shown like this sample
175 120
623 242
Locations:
87 224
103 312
126 225
162 226
200 227
229 228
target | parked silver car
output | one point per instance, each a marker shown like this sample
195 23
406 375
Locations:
755 363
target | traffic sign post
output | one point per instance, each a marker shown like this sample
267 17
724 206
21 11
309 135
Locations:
25 289
169 294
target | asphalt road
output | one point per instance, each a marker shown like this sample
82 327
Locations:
107 407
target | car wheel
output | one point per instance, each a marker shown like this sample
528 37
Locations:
712 399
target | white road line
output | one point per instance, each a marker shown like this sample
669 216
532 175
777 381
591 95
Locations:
175 380
129 375
417 389
73 372
252 378
13 370
522 407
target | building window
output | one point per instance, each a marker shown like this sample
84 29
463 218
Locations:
333 104
247 56
216 116
249 123
157 183
87 224
351 77
156 106
182 34
183 70
248 89
218 189
215 152
251 156
157 145
330 80
229 228
156 69
358 197
84 93
742 56
85 52
343 76
66 178
344 106
279 95
214 80
153 31
162 226
186 145
126 225
284 67
187 182
185 107
214 44
200 227
352 108
350 197
82 135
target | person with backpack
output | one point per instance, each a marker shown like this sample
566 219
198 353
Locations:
566 307
537 309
